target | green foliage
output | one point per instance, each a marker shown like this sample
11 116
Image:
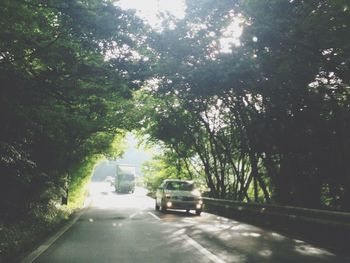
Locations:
80 178
47 215
61 99
155 171
268 120
161 167
304 87
25 235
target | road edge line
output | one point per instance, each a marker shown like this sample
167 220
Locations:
46 244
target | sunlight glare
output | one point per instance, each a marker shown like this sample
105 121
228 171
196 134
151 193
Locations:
231 35
310 250
149 10
251 234
104 196
265 253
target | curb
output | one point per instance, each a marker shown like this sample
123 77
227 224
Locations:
47 243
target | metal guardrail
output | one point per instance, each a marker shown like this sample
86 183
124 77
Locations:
334 216
328 228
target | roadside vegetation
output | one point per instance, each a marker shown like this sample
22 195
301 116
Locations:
64 101
23 234
253 97
250 99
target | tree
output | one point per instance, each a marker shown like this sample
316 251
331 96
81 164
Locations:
64 95
278 99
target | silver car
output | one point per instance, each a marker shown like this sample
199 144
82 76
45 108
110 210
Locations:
178 194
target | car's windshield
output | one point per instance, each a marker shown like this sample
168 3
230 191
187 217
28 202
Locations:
182 186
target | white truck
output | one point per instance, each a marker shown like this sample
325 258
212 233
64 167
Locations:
125 178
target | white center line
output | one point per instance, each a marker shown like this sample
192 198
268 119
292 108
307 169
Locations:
156 217
203 250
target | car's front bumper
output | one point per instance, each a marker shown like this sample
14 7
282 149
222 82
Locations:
186 205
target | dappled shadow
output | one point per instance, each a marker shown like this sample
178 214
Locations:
234 241
121 193
175 214
229 240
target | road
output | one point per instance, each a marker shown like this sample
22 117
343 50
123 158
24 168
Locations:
126 228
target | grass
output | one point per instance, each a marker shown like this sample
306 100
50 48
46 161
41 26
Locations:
18 238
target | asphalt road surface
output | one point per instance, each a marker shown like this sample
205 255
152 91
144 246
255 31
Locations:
126 228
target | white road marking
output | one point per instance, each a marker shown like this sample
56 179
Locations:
156 217
203 250
133 215
41 249
192 242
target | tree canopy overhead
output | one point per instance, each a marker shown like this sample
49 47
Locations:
269 118
64 95
250 97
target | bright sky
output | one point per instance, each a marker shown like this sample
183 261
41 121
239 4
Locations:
148 9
